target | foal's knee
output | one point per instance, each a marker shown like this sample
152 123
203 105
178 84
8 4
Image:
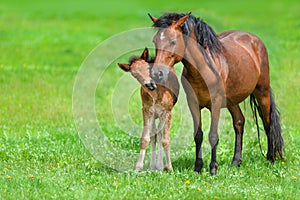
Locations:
165 143
144 142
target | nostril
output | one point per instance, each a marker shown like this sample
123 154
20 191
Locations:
160 73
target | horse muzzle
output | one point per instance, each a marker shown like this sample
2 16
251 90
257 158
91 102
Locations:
151 85
160 74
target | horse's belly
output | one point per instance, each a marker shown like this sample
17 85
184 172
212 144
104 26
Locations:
239 88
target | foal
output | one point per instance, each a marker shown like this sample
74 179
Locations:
157 101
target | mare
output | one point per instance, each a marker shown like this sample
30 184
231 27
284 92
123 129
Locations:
157 101
219 71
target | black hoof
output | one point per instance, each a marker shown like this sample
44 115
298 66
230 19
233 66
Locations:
236 163
198 166
213 168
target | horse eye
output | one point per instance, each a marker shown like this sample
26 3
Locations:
173 42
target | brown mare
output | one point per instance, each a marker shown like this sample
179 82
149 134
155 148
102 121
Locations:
219 71
158 101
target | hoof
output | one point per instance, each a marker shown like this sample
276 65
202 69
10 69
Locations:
198 166
236 163
213 168
169 168
159 168
138 169
152 167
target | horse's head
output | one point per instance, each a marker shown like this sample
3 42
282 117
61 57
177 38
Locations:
170 45
140 69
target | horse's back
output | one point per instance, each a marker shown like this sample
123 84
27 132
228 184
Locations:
245 56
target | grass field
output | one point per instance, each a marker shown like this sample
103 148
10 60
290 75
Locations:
42 46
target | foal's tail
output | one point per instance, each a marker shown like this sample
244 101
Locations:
274 136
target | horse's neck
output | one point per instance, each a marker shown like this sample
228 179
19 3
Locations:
199 64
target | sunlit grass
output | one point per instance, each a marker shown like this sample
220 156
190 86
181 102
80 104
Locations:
42 46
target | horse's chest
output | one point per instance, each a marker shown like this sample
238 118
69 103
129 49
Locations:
197 88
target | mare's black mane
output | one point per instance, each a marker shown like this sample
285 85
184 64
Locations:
206 36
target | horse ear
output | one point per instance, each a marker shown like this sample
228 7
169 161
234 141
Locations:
152 18
145 54
125 67
181 21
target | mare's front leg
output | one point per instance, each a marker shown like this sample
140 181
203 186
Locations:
198 133
238 124
213 132
144 141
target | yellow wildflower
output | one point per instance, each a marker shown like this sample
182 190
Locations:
294 178
199 190
187 182
8 177
31 176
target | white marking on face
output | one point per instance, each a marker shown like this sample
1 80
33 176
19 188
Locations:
162 36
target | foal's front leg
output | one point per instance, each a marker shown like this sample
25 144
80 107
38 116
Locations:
148 122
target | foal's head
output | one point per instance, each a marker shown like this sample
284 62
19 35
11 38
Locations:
140 69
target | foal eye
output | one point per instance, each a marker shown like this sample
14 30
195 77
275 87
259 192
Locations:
173 42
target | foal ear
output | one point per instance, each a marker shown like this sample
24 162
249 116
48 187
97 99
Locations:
181 21
145 54
125 67
152 18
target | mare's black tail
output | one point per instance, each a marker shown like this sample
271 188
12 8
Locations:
275 128
275 140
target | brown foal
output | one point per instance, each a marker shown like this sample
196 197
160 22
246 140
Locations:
157 102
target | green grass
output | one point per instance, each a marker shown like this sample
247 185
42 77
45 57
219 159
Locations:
42 45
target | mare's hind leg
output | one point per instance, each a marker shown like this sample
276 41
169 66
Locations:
262 96
238 124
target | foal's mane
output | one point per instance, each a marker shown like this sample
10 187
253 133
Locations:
206 36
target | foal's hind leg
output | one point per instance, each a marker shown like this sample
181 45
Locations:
160 163
153 139
238 124
166 141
